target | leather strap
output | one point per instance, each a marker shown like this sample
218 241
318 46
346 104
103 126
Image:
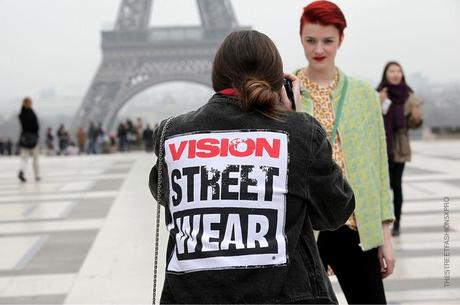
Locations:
339 112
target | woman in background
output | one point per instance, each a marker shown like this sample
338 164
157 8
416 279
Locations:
28 141
401 112
63 139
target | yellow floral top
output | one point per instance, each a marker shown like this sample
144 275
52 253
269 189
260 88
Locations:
362 139
323 111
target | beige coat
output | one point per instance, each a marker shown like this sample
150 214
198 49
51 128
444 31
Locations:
401 143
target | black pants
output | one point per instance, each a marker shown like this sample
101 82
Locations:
396 172
358 272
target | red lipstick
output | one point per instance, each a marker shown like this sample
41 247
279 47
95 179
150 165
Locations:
319 58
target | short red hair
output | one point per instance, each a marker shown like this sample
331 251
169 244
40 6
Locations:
324 13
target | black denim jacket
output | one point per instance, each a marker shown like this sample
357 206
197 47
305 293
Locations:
317 198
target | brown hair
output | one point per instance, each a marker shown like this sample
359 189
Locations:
26 102
249 62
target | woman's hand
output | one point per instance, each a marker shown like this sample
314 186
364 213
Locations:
416 113
295 89
383 94
385 253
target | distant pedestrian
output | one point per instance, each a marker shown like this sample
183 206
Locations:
147 137
113 142
49 141
401 112
100 138
122 135
81 140
9 147
72 149
64 139
28 141
104 142
131 132
92 136
2 147
139 128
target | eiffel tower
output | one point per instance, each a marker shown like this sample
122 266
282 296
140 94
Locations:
136 57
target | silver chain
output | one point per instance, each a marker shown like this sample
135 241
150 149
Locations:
158 210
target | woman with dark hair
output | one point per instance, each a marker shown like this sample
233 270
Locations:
359 253
244 181
401 112
63 139
28 141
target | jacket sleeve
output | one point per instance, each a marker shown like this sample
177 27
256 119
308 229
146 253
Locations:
413 101
386 206
153 176
330 198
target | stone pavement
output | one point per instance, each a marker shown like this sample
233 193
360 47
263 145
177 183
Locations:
84 235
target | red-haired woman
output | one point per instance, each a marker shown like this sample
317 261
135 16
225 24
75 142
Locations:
360 252
401 111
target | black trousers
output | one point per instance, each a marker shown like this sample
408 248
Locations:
396 172
358 272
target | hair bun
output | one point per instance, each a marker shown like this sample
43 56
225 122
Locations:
259 94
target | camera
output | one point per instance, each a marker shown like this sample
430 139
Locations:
289 92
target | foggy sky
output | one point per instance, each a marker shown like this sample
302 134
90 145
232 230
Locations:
56 43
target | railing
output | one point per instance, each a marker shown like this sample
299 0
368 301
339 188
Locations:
166 34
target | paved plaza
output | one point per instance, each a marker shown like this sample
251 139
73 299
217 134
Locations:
84 234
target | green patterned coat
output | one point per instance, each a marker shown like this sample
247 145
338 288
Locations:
364 148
